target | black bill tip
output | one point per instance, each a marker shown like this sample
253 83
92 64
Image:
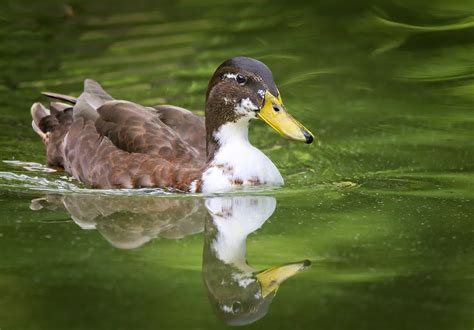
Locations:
309 138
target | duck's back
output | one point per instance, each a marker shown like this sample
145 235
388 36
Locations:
107 143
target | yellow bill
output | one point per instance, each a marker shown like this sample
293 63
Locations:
274 114
271 278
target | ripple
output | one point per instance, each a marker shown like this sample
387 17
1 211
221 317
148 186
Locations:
66 184
30 166
466 23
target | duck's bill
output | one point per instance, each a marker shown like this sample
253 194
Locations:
274 114
271 278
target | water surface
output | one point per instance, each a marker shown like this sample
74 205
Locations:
381 206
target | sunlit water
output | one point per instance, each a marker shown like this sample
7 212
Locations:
382 206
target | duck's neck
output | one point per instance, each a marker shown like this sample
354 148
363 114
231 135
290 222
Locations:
234 162
228 134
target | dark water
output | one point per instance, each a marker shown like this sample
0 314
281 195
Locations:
382 207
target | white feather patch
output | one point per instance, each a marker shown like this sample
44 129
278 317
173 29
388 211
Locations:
193 186
246 107
230 75
237 162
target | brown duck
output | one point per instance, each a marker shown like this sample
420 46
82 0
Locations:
108 143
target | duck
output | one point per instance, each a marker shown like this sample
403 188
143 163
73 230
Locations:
108 143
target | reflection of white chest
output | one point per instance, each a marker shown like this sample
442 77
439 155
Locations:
238 163
235 218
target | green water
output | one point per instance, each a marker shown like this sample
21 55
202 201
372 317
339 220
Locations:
382 206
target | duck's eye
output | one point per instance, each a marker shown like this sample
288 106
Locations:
241 79
236 307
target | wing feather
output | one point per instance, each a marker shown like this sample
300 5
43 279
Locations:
134 128
190 127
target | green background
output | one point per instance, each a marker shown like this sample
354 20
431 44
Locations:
382 205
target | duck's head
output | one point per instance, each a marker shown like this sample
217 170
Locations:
242 89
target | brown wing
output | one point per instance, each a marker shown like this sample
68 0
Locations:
190 127
134 128
97 161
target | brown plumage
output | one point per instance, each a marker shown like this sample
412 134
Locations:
121 144
107 143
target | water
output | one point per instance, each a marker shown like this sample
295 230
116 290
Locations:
381 206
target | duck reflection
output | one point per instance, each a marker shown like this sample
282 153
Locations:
130 222
239 293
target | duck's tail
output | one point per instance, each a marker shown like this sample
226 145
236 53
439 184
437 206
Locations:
52 125
61 97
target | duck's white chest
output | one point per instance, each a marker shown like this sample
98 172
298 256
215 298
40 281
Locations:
237 164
